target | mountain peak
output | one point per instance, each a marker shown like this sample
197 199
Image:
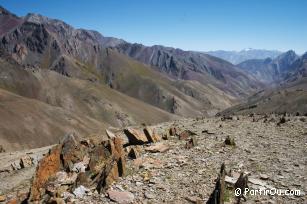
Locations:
289 55
290 52
36 18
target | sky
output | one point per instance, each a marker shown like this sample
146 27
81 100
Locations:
199 25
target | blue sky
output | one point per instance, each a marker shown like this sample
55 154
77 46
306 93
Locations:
190 24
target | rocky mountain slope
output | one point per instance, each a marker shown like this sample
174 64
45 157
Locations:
182 97
61 104
288 98
236 57
189 65
298 69
271 70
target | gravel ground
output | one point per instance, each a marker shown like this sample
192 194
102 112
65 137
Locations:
273 155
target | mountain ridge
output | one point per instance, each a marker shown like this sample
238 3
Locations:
174 60
52 44
237 57
270 70
191 65
79 72
289 93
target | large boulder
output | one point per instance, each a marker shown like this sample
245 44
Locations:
72 151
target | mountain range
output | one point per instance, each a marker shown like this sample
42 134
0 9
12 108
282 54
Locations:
286 86
55 78
236 57
271 70
196 66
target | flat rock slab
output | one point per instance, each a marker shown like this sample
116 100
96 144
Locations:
122 197
159 147
135 136
264 177
230 180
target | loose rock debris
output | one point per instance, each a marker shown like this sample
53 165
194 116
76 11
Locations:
116 170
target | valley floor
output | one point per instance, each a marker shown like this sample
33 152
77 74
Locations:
273 156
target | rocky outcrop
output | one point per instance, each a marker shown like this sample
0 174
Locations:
138 137
74 165
298 69
217 196
241 184
135 136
